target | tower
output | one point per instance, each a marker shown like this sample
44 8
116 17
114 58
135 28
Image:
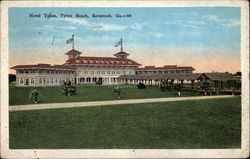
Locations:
121 54
72 53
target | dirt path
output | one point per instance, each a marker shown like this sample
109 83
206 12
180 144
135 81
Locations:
110 102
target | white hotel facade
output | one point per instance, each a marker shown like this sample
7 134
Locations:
89 70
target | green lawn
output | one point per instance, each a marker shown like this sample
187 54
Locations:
213 123
20 95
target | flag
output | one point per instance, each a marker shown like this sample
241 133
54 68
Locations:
70 40
118 43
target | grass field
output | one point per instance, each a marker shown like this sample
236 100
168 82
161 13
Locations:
20 95
213 123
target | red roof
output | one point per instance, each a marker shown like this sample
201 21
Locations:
121 53
101 61
73 52
166 68
42 67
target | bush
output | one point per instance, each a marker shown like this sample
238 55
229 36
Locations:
99 82
141 86
67 88
34 95
118 90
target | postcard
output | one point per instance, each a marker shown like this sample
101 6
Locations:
124 79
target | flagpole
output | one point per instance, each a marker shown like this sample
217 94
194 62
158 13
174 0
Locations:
121 45
73 45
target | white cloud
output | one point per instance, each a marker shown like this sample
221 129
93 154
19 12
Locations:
189 24
224 22
195 22
232 23
103 26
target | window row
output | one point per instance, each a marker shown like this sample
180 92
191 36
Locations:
104 67
107 72
44 71
163 72
42 81
104 62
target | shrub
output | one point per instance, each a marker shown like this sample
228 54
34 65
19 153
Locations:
67 88
118 91
141 86
99 82
34 95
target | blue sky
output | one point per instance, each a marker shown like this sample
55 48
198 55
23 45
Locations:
204 29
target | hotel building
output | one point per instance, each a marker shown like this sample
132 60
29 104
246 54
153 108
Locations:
89 70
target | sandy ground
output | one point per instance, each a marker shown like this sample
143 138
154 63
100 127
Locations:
111 102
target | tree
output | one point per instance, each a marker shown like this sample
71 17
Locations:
118 91
67 88
34 95
12 78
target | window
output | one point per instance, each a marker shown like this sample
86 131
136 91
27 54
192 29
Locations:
32 81
21 80
108 72
92 72
103 72
124 72
86 72
98 72
48 81
113 72
52 80
56 80
40 80
118 72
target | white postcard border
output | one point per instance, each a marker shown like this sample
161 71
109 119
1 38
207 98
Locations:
124 153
